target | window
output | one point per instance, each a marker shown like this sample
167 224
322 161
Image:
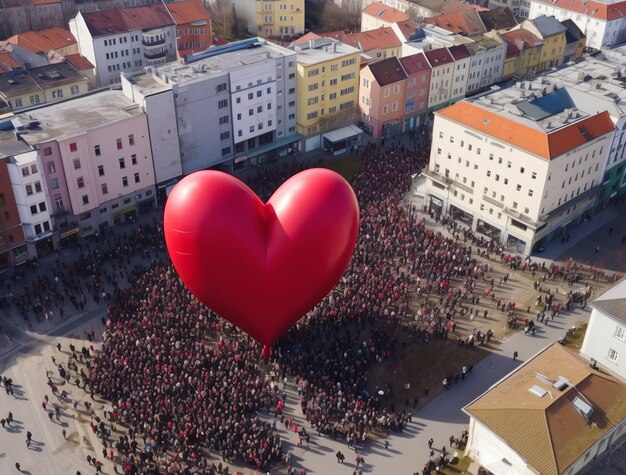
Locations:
58 202
85 199
74 89
38 187
105 189
137 177
80 182
29 190
226 151
37 228
77 164
534 175
519 187
223 104
613 355
122 163
223 120
47 151
619 333
18 103
54 183
488 172
133 159
125 181
119 144
96 149
221 87
521 170
42 206
73 147
530 192
131 139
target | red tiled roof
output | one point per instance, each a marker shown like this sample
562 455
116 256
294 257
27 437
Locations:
385 13
368 40
188 11
455 6
459 52
108 22
438 57
547 145
43 40
415 63
408 27
219 41
305 38
79 62
8 61
524 39
465 22
387 71
592 8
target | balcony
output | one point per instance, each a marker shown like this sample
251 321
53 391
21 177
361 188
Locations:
152 41
156 55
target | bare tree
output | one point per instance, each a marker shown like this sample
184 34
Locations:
221 13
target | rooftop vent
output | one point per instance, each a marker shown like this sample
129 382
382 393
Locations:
561 383
585 409
537 391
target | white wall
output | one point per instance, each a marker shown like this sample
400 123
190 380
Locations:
603 334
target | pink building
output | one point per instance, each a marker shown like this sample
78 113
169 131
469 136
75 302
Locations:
418 73
382 97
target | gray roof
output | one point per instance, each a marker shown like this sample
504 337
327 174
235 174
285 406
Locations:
17 82
613 301
56 75
548 25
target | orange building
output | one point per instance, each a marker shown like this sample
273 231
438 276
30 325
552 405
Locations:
193 26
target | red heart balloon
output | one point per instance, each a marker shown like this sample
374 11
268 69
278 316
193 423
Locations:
261 266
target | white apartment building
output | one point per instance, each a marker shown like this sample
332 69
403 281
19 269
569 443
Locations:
232 105
104 149
32 199
462 60
441 78
605 340
520 166
487 65
125 40
603 22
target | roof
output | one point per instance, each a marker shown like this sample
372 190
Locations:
387 71
18 82
573 32
188 11
407 28
109 22
379 38
316 49
459 52
68 118
415 63
438 57
385 13
524 39
79 62
592 8
466 22
43 41
526 135
549 432
55 75
613 301
7 61
306 38
499 18
548 26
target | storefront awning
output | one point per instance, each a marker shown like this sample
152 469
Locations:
342 133
122 211
70 232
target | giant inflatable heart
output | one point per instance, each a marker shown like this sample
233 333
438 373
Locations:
261 266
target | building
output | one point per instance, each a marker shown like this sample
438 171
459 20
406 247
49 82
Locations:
50 39
193 26
464 22
602 22
519 8
442 77
418 71
94 152
382 93
327 88
26 88
420 9
13 249
487 63
552 415
406 30
529 46
231 106
575 41
273 18
552 34
605 339
462 68
521 165
498 19
378 15
125 40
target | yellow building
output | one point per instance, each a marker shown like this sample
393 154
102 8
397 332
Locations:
327 86
529 47
552 32
26 88
278 18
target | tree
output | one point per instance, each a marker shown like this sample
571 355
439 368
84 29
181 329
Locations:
221 17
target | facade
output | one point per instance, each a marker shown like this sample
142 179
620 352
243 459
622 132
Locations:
487 64
552 33
605 339
378 44
233 105
94 153
21 89
520 166
382 93
553 415
529 47
498 19
193 26
273 18
418 73
442 77
13 249
462 62
327 86
125 40
602 22
378 15
575 41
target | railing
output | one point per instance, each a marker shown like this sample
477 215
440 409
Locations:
158 55
156 42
